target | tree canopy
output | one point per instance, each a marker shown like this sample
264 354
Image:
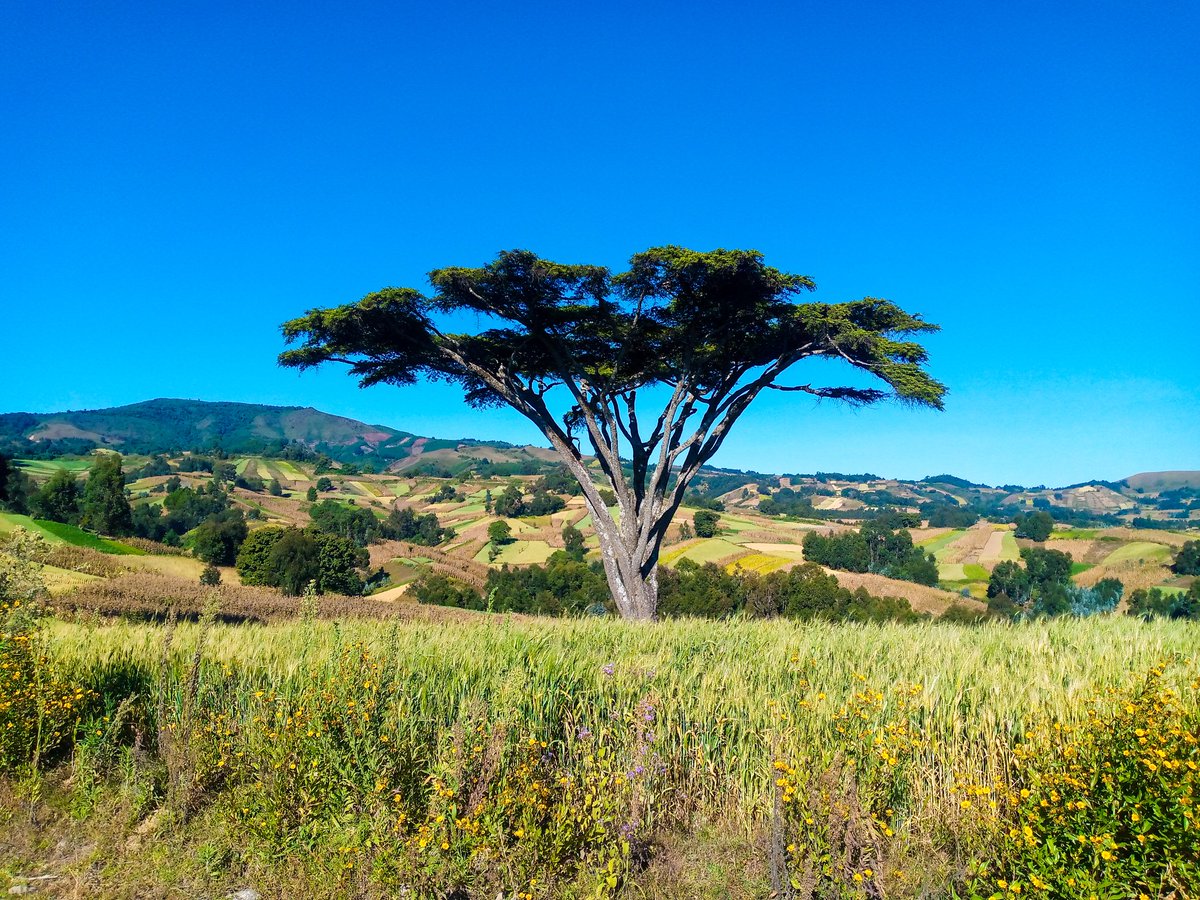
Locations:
710 330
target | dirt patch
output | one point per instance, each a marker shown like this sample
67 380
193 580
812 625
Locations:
923 599
969 548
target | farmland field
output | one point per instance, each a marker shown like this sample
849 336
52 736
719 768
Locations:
519 553
43 468
1138 550
702 551
329 737
58 532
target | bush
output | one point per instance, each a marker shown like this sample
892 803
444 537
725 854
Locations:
1106 808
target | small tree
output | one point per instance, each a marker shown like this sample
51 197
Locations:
58 499
105 507
706 522
499 532
711 331
573 543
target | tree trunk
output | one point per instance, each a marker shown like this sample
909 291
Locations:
634 590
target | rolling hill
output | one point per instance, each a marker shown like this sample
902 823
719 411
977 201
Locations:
162 425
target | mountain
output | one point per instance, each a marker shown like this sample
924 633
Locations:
1164 481
161 425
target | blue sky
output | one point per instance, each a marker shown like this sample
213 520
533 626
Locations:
176 179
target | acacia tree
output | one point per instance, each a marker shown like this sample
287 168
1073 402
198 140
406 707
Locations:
704 332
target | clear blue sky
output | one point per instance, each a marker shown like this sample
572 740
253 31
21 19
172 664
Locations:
176 179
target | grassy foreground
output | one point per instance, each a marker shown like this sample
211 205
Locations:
545 758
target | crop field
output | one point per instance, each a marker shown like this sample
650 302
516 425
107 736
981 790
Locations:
757 562
702 551
1139 550
288 471
935 544
416 757
41 469
1001 545
518 553
58 532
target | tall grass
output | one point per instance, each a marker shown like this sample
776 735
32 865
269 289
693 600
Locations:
544 758
723 687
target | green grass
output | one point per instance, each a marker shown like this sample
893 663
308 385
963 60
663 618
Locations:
1075 534
327 752
58 532
704 551
976 572
1009 548
289 471
1078 568
41 469
952 573
936 544
517 553
1139 550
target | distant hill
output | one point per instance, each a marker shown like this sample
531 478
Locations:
1163 481
162 425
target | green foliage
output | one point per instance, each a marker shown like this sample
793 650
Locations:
559 481
1105 807
573 543
105 507
562 585
211 576
1035 526
439 589
274 488
16 488
499 532
185 509
446 493
718 325
311 495
219 537
942 515
1153 603
357 525
40 709
510 504
405 525
705 521
58 499
807 592
786 502
1043 587
875 547
292 558
1187 559
324 483
1102 597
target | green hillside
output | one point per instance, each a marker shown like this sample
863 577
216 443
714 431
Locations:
161 425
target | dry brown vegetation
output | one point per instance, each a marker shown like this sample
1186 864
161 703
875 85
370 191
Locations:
923 599
969 547
155 596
